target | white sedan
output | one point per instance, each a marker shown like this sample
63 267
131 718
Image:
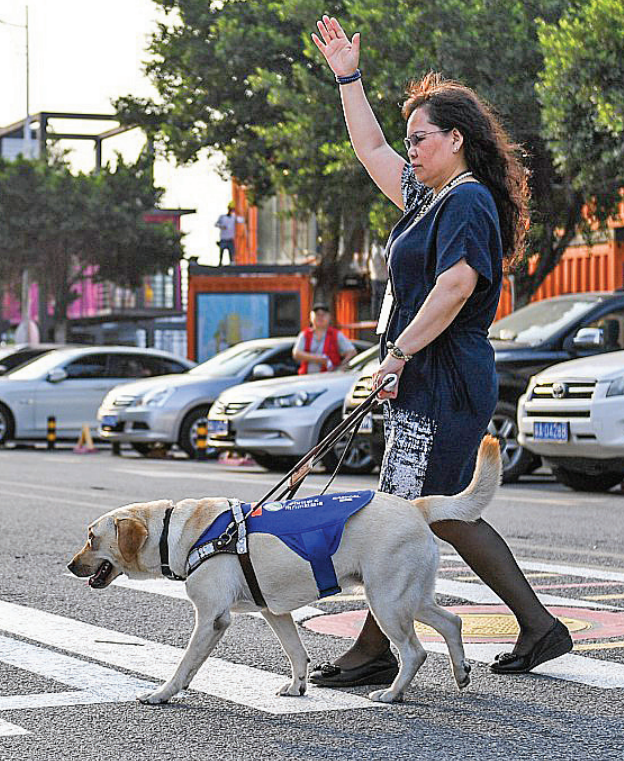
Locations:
69 384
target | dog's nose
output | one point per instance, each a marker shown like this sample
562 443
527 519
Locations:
72 567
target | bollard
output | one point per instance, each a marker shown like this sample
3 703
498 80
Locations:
202 441
116 448
51 434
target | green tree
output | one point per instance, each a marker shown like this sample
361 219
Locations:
244 78
63 227
581 89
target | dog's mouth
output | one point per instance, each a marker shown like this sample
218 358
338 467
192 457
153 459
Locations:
102 577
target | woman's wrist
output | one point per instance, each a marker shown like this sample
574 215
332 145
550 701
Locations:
347 79
397 353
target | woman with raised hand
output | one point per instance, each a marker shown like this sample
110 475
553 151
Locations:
464 197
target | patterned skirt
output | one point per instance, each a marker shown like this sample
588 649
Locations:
409 440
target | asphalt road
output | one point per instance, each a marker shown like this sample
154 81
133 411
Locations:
72 659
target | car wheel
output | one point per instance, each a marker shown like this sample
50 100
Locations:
359 459
187 441
276 464
586 481
516 460
145 450
6 424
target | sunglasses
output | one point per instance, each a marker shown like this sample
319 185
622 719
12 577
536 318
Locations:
414 139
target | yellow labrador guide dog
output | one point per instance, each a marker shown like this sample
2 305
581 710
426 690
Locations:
387 547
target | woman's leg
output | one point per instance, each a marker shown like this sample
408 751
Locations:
487 554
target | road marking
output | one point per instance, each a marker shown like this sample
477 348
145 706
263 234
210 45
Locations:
479 593
601 646
11 730
604 597
91 683
236 683
563 569
571 668
60 500
579 585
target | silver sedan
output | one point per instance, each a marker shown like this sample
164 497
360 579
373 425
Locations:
278 421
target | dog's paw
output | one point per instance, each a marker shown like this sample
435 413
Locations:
152 698
385 696
292 690
462 676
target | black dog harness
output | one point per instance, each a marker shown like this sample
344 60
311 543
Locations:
233 541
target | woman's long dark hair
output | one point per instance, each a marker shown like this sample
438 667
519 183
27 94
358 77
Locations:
490 155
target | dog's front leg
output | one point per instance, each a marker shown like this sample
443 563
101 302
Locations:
206 634
286 631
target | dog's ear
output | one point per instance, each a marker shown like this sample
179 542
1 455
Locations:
131 536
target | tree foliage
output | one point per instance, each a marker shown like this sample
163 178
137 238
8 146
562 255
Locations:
581 89
63 226
243 78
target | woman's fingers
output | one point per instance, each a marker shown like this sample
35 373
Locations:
324 32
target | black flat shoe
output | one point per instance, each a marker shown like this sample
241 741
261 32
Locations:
554 643
381 670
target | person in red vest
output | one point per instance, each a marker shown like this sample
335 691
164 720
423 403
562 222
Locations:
322 348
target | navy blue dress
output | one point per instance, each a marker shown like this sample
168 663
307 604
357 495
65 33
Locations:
450 386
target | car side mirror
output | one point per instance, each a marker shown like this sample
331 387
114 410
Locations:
262 371
57 375
588 338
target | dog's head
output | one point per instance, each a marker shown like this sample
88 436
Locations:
127 540
118 543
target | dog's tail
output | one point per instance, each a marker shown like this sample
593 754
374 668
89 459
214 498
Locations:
469 504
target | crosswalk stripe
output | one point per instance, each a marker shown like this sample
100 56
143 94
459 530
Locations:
11 730
237 683
91 683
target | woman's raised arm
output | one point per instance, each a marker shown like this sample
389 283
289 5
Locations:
383 163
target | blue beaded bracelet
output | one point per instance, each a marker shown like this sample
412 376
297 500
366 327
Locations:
357 74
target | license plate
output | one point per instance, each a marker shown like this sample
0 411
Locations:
559 431
366 426
109 421
218 428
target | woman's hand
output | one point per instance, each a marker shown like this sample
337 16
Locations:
389 365
342 56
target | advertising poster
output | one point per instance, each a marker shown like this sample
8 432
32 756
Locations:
225 319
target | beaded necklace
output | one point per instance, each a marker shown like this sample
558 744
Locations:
431 199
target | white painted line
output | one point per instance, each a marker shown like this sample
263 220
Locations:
11 730
561 568
571 668
233 682
60 500
91 683
480 593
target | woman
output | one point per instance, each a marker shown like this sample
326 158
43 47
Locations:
464 197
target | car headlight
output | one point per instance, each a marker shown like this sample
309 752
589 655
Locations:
155 398
616 387
298 399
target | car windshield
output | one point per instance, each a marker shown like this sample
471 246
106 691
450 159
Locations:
358 362
536 322
38 367
230 362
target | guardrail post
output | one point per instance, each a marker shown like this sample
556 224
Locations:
202 441
51 432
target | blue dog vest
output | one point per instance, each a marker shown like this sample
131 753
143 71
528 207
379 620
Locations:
311 527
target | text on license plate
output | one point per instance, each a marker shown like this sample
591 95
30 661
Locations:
218 428
558 431
109 421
